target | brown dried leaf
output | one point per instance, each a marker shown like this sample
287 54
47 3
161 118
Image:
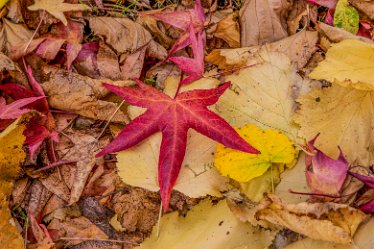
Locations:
366 6
322 221
228 30
80 94
129 40
299 48
39 196
79 227
337 34
263 21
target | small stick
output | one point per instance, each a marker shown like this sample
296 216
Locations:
159 220
110 119
104 240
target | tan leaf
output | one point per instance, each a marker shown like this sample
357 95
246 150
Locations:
57 8
228 30
129 40
221 230
363 239
298 47
322 221
263 21
365 6
80 94
344 117
264 95
337 34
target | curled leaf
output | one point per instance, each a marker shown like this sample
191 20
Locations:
325 175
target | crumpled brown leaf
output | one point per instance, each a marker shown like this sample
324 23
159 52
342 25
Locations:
322 221
366 6
79 227
263 21
228 30
129 40
80 94
299 48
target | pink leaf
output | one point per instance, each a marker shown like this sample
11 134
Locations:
193 67
324 3
368 180
173 117
13 110
325 175
368 207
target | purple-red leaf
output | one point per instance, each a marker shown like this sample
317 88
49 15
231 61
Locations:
325 175
194 67
13 110
368 207
173 117
368 180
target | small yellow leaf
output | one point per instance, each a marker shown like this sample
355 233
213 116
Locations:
350 62
275 147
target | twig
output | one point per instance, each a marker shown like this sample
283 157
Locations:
36 30
316 194
110 119
104 240
159 220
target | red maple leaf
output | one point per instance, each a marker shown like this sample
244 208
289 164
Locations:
38 128
13 110
194 67
173 117
182 20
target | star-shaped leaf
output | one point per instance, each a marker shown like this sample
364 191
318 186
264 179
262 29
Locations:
173 117
13 110
57 8
194 67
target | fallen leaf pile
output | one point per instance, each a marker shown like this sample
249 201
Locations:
186 124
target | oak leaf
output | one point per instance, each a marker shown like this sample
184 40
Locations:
348 63
173 116
275 148
57 8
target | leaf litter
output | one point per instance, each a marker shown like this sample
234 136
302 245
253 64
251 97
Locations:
90 169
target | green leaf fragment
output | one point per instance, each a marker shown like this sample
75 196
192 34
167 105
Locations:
346 17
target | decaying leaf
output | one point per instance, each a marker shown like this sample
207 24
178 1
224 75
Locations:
173 117
129 40
73 92
325 175
275 148
298 47
348 63
363 239
228 30
322 221
366 6
335 34
346 17
57 8
344 117
11 157
264 95
221 228
263 21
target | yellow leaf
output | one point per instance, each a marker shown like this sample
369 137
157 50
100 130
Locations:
57 8
350 62
11 156
275 148
264 95
344 117
322 221
2 3
207 226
